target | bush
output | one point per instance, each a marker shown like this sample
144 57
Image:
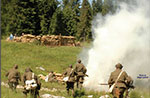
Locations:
79 93
135 94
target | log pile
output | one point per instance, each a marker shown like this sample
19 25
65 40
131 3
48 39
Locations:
48 40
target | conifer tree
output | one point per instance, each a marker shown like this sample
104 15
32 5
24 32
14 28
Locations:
84 25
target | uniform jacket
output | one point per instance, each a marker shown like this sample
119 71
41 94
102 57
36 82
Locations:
72 76
80 69
13 75
122 79
28 76
67 72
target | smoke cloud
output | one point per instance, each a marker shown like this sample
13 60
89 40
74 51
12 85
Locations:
123 38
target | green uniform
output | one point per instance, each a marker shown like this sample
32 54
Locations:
67 72
120 86
13 78
28 76
80 70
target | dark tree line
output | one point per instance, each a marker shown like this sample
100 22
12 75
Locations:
53 17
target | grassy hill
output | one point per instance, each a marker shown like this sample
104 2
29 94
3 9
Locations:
51 58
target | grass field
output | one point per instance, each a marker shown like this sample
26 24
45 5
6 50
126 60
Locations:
51 58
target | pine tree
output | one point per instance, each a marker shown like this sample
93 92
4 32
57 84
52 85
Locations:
56 26
84 25
46 10
71 17
7 13
97 6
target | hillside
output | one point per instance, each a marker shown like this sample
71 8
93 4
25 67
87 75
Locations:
54 59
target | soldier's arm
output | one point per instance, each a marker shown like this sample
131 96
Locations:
85 70
110 81
126 76
7 74
23 79
19 76
65 73
75 69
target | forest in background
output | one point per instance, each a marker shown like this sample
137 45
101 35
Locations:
53 17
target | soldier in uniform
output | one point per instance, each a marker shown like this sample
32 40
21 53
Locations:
28 75
69 82
120 86
52 77
80 70
13 77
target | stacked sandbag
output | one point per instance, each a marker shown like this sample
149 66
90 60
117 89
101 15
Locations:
48 40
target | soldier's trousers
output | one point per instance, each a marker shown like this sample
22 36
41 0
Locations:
118 92
80 80
13 85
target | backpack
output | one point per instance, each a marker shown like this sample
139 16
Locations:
30 84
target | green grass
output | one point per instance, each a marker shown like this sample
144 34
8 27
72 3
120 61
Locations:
51 58
30 55
8 93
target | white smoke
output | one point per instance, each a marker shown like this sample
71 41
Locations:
120 38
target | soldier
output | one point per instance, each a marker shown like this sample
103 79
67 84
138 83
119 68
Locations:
69 84
120 85
80 70
13 77
31 83
52 77
71 81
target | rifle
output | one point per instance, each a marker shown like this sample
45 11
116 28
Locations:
86 75
104 84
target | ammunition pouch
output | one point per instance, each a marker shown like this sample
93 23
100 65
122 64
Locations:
30 84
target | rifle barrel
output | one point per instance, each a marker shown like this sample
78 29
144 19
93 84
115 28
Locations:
103 84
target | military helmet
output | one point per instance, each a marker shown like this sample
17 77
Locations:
79 61
28 70
119 66
15 66
70 65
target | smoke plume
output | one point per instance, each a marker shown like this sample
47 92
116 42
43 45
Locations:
123 37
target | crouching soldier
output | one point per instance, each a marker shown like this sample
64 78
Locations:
31 84
13 77
52 77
